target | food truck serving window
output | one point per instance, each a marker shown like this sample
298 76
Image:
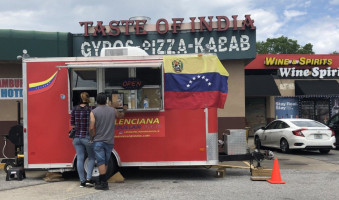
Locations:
115 76
82 80
139 86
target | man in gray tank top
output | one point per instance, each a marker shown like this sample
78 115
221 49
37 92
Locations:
102 123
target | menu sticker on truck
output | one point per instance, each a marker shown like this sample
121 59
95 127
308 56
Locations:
136 125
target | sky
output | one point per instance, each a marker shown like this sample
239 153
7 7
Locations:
307 21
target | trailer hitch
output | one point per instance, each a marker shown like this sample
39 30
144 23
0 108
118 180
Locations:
259 157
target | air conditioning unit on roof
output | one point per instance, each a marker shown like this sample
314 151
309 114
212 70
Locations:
123 51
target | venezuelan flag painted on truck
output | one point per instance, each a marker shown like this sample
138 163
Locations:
42 86
195 82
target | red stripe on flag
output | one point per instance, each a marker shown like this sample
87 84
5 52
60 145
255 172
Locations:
42 89
194 100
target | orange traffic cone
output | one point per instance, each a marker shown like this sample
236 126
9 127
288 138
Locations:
275 177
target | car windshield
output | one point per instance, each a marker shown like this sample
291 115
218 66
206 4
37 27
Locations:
308 124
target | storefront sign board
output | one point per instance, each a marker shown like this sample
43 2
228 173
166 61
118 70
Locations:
11 88
228 42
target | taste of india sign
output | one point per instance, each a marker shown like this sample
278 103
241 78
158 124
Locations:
223 37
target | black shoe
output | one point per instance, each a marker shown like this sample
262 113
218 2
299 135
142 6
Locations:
83 184
102 186
89 183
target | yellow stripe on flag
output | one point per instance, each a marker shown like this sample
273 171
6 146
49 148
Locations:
42 82
194 64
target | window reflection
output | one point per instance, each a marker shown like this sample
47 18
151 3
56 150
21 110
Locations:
115 76
84 78
150 76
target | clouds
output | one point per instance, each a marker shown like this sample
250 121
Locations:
322 33
267 24
334 2
311 21
289 14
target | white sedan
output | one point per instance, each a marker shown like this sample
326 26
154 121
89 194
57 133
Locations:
287 134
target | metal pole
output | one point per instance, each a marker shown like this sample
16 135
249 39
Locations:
19 112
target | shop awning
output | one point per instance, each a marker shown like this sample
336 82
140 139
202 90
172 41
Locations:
316 87
260 85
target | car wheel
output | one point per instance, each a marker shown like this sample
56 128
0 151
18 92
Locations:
257 143
324 151
284 146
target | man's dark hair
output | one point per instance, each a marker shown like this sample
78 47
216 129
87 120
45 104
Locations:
101 98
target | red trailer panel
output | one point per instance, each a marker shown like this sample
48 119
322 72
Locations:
146 137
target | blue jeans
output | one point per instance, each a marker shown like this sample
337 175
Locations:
102 152
82 146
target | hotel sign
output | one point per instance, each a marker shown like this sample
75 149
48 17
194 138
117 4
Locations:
11 88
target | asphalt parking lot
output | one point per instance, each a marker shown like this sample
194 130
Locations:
183 184
308 175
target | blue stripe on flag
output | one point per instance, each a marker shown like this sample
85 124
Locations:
196 82
41 86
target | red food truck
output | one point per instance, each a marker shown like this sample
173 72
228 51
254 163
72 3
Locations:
172 107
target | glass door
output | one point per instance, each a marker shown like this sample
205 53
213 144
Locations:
307 109
315 108
255 113
322 111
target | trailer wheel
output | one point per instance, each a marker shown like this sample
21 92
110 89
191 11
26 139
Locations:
112 168
95 172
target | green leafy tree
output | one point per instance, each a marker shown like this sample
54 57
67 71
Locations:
283 45
335 52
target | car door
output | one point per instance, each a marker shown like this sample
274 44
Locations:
267 134
277 134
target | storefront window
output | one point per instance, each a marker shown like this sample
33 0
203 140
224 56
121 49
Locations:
334 106
322 111
286 107
315 108
307 109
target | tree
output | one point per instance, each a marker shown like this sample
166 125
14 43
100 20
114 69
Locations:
335 52
283 45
